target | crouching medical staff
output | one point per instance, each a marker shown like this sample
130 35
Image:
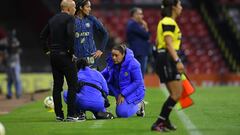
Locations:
92 92
125 82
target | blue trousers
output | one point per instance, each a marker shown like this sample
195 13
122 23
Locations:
143 61
84 102
13 77
126 110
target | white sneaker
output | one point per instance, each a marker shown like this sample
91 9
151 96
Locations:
73 119
141 111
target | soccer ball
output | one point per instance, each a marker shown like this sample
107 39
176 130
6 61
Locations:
48 102
2 129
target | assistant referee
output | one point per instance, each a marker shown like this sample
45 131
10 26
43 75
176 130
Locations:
168 64
57 37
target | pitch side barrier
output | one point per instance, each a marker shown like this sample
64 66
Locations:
151 80
32 82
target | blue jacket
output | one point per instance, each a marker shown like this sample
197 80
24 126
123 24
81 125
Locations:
125 79
138 38
92 76
84 44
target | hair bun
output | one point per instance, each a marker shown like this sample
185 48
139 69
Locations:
81 63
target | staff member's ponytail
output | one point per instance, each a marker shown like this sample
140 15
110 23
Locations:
166 7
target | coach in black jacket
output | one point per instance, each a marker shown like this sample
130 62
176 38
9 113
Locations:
58 39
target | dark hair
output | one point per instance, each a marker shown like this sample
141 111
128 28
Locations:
80 3
166 7
134 10
81 63
120 47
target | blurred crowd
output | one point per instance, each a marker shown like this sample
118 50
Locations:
10 61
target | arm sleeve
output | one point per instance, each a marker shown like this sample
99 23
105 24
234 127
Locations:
104 84
99 27
137 78
70 33
137 29
111 88
44 38
168 30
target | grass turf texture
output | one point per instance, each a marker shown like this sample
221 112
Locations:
215 112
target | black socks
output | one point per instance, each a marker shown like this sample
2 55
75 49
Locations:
166 109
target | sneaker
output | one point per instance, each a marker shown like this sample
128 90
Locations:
104 115
72 119
59 119
81 116
160 127
18 96
9 97
141 111
170 126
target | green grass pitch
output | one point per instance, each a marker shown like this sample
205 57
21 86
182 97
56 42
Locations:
216 112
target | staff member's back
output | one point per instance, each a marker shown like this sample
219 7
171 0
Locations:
58 39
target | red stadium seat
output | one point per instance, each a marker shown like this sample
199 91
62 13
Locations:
198 46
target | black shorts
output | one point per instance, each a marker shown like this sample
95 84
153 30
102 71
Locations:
166 67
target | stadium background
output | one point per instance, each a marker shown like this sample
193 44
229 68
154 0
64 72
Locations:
211 36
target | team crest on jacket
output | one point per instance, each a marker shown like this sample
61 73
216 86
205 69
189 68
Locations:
77 35
126 74
87 25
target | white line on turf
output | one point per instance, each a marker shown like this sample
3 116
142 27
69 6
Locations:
98 124
191 128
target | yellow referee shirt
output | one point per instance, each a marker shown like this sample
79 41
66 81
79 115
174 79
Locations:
168 27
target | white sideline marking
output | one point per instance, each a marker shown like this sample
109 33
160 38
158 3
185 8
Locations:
98 124
191 128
